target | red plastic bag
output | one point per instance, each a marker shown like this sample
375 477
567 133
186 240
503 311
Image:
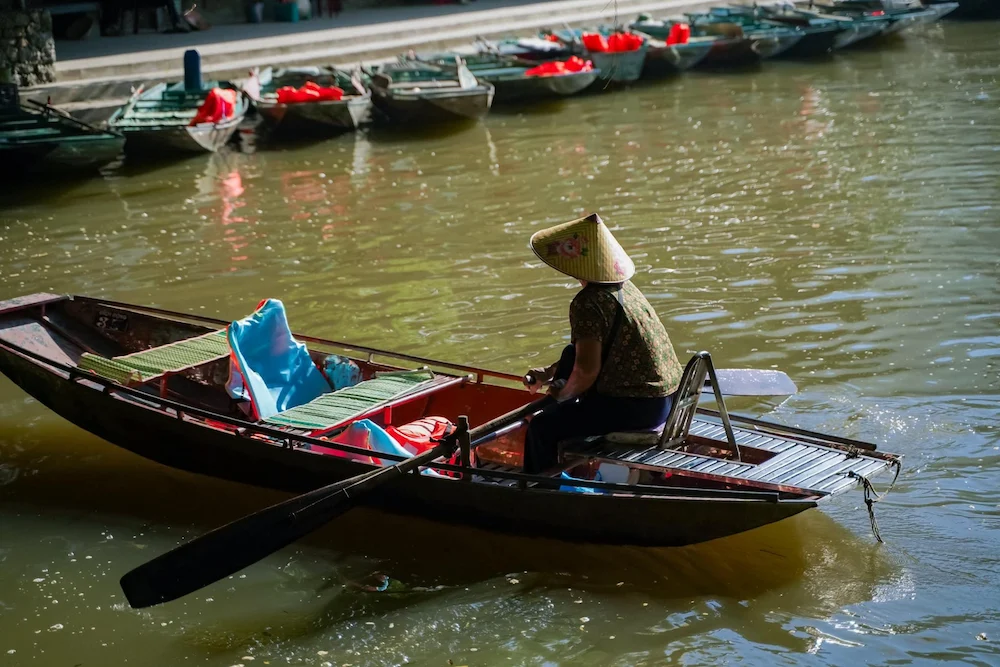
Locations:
621 42
556 68
680 33
618 42
219 104
595 42
310 92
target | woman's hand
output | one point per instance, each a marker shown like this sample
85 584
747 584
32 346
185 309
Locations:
536 378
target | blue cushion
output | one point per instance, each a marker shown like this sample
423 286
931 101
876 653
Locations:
277 371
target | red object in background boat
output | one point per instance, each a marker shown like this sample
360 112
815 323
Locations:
219 104
310 92
619 42
680 33
556 68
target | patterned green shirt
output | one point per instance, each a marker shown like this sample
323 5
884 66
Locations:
642 362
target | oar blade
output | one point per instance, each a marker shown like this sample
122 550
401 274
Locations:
230 548
753 382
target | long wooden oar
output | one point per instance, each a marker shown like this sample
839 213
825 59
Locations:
230 548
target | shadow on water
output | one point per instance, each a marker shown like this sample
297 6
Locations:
147 165
343 566
534 108
388 133
33 188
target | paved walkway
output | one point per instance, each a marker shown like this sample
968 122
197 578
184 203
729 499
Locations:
68 51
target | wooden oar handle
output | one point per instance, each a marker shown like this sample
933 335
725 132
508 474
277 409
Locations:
510 418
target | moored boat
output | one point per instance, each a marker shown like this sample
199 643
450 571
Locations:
408 91
160 384
730 46
853 29
815 40
344 111
902 14
165 119
619 55
514 79
40 139
663 59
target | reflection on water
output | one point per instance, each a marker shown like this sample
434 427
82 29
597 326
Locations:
835 220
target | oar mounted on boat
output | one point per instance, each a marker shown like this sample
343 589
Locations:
234 546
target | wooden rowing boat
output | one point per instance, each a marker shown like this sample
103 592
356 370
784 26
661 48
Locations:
158 121
310 117
813 40
707 476
411 92
507 75
901 14
39 139
615 66
854 29
728 45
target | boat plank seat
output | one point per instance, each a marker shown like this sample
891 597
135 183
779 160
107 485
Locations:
369 397
674 431
158 362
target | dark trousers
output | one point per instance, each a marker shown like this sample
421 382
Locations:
591 414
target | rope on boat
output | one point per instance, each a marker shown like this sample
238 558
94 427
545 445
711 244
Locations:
872 497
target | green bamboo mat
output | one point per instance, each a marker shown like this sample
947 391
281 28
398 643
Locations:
339 406
148 364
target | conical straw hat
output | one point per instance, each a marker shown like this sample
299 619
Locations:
584 249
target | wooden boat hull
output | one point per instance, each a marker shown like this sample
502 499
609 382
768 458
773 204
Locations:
512 90
179 139
815 41
39 354
667 60
312 117
433 107
623 67
737 52
861 32
83 156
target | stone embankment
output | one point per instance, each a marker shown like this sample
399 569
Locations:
27 52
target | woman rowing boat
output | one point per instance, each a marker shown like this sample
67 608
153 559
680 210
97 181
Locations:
620 369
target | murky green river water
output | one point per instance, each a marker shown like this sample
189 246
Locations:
836 220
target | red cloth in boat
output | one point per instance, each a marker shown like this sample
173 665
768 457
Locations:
556 67
419 436
219 104
310 92
619 42
416 437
